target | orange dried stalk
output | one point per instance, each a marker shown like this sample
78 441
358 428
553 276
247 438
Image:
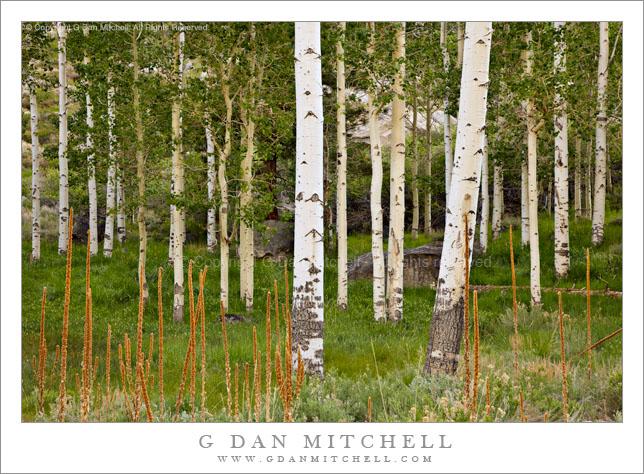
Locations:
160 305
521 406
226 357
107 371
186 365
146 399
268 357
466 318
247 390
476 357
63 357
514 309
237 392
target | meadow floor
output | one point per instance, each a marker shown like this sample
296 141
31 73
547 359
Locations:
362 358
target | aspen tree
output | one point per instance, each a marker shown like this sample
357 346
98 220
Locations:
120 207
589 180
578 155
447 133
497 200
525 220
308 264
428 164
377 253
414 168
211 226
485 200
599 201
460 38
35 175
446 329
108 241
140 166
562 240
397 185
91 173
63 185
341 217
177 189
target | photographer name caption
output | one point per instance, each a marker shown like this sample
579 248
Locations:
327 448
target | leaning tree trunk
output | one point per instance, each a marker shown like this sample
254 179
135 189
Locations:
91 173
397 187
562 240
446 329
533 193
428 165
485 201
599 207
177 180
447 133
379 302
108 240
414 170
63 185
140 167
35 176
308 263
578 213
341 217
211 226
120 207
525 220
497 200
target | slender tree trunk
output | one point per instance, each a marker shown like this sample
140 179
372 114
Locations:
562 240
446 329
533 194
578 155
140 167
211 226
447 133
177 179
341 216
377 253
35 176
120 207
224 237
485 201
525 220
63 186
599 208
108 241
589 179
414 170
428 165
497 198
397 187
460 39
308 266
91 173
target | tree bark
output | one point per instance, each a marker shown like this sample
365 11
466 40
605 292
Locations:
525 219
35 176
91 173
447 133
460 39
341 215
308 265
428 165
446 329
108 241
140 167
485 200
211 226
578 213
589 180
63 176
497 199
379 302
120 207
599 207
562 239
397 186
414 169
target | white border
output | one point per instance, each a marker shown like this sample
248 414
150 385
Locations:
174 448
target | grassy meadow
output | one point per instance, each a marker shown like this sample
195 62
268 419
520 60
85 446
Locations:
364 360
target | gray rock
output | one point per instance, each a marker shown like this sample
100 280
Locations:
276 242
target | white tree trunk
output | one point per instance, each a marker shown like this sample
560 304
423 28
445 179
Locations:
525 220
447 322
415 219
589 179
341 217
562 240
533 192
599 207
428 165
397 187
308 264
460 39
35 176
140 169
377 253
447 133
224 237
246 251
108 241
578 155
63 186
485 200
497 201
120 207
211 226
91 173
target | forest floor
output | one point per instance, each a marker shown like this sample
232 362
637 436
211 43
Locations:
362 358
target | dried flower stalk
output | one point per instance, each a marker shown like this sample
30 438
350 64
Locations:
160 305
268 357
476 357
63 357
226 357
514 308
466 318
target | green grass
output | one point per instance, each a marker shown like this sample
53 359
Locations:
349 359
